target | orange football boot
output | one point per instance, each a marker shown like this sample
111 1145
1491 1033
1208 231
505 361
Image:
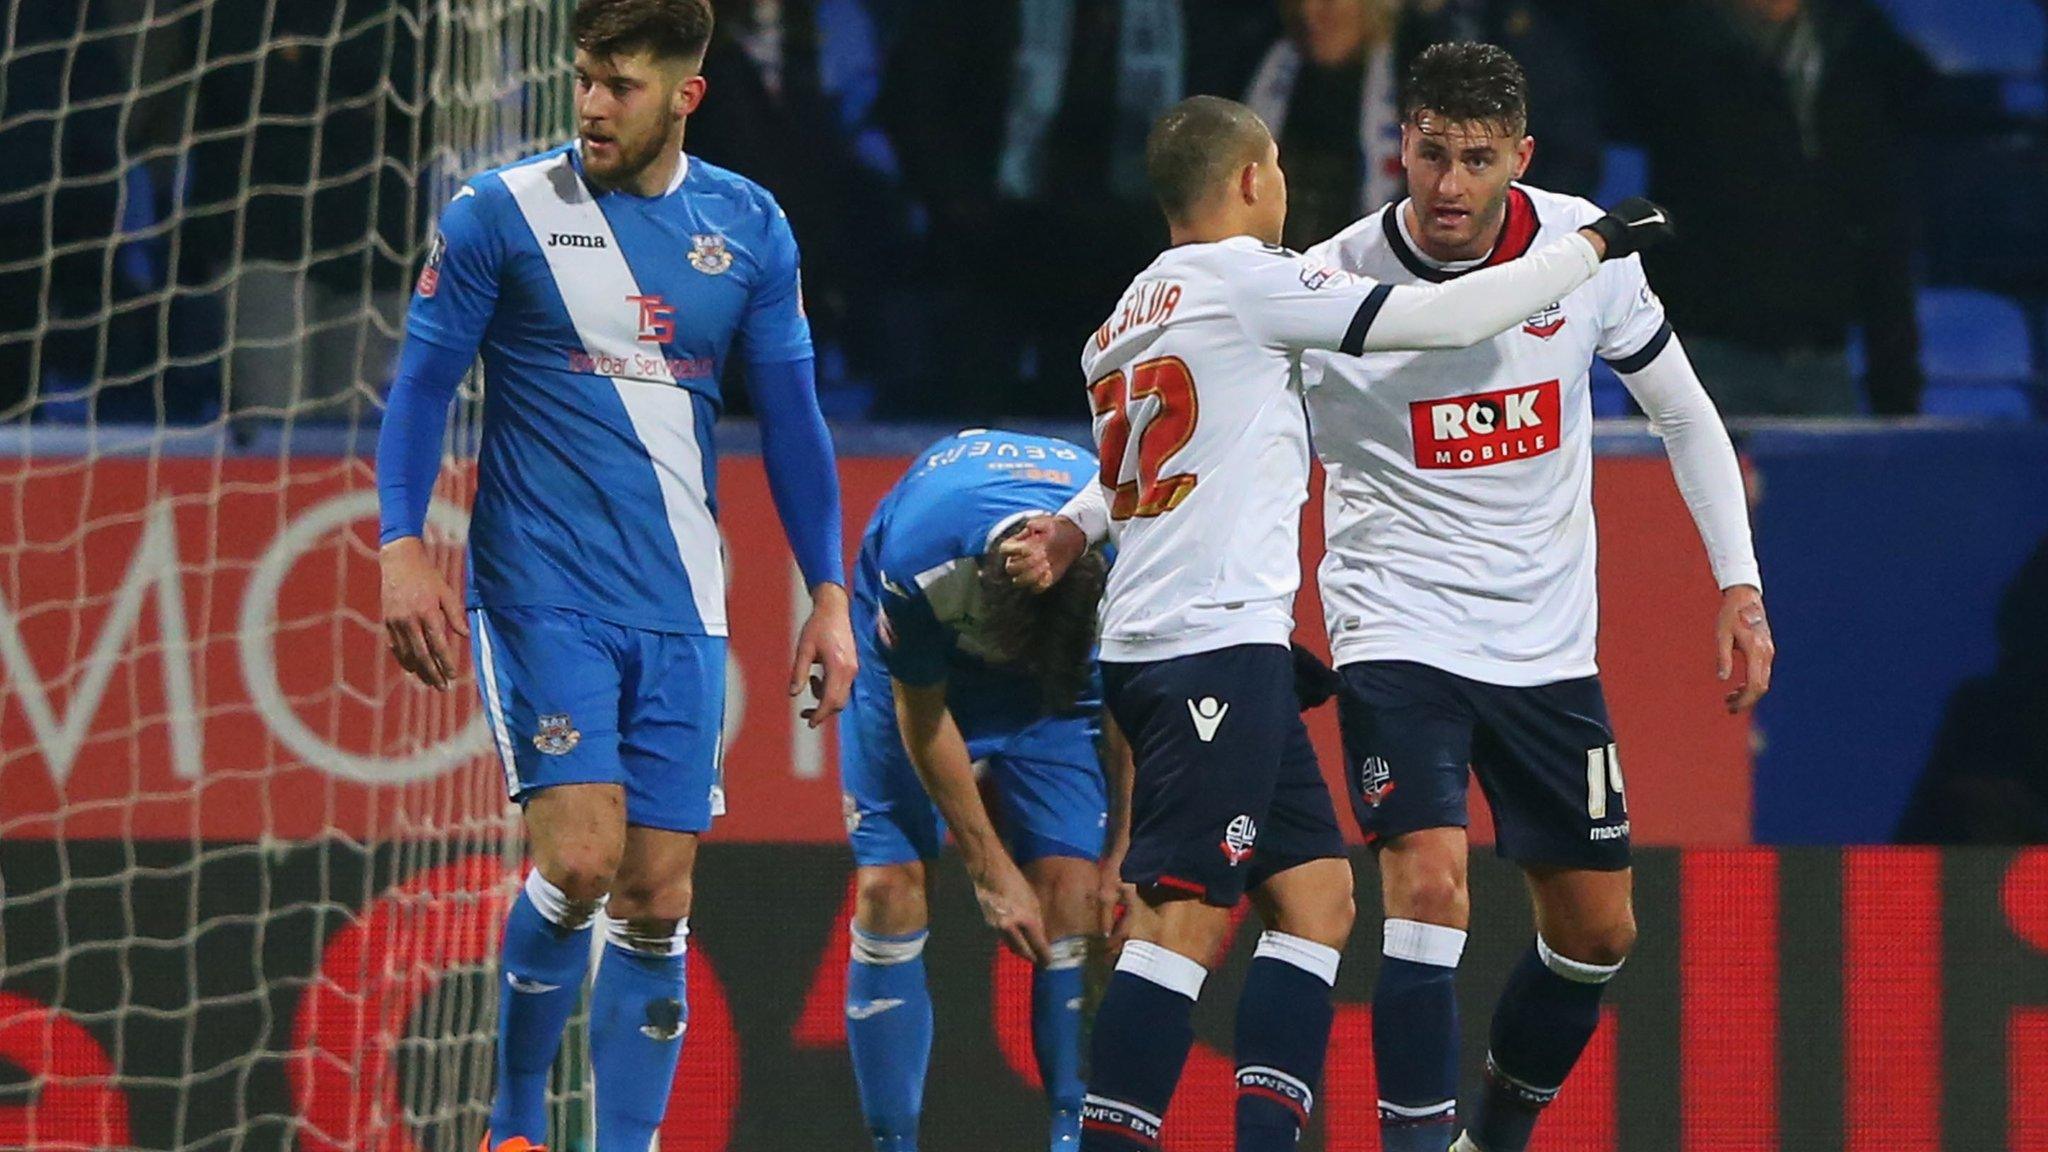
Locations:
515 1144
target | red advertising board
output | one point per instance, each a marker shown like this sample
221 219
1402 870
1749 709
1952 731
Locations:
190 648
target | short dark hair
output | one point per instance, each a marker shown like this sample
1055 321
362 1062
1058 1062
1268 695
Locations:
1467 82
1196 145
669 29
1048 636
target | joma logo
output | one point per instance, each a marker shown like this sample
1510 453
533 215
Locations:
574 240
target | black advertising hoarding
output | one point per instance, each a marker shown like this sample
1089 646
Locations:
1812 999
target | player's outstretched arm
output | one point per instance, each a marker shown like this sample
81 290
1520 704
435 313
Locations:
1488 302
939 753
803 480
422 613
1710 479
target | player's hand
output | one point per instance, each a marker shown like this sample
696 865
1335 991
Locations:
1633 225
1040 555
1109 893
826 643
422 614
1010 907
1743 633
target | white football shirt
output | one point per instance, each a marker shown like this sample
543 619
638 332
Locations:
1196 385
1458 507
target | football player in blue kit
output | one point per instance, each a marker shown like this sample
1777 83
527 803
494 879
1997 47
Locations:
959 668
604 283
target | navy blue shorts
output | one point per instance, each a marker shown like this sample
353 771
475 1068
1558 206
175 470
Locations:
1544 756
1227 790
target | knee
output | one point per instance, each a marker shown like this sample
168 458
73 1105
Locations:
889 901
1602 945
667 900
585 873
1431 893
1069 904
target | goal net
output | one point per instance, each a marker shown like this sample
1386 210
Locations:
251 880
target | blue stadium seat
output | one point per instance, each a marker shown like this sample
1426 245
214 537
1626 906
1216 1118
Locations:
1624 172
2004 36
1977 399
1967 334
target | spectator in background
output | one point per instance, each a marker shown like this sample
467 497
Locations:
303 195
1021 128
1987 779
1777 131
797 82
1329 90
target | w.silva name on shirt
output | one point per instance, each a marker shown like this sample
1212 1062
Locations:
1486 427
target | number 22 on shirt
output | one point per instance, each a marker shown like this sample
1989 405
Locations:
1154 403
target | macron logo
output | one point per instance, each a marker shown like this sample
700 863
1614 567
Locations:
529 987
1207 714
871 1008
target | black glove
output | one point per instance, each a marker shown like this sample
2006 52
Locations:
1633 225
1314 681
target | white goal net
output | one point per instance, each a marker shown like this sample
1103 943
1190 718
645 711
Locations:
250 879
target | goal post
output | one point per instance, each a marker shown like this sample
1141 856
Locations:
251 880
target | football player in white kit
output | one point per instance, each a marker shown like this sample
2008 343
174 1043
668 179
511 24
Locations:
1196 382
1458 588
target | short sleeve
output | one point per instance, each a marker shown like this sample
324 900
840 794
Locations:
1633 328
776 329
915 646
1294 303
458 288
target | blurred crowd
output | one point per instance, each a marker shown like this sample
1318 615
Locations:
230 195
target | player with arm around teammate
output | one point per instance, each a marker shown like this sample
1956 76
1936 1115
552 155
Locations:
1196 382
958 668
1458 589
604 284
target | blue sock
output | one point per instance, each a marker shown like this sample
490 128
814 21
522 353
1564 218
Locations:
1143 1031
889 1033
1283 1030
1056 1037
638 1013
545 957
1415 1036
1547 1013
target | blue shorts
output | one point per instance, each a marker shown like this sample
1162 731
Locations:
1044 782
1228 792
1544 756
572 699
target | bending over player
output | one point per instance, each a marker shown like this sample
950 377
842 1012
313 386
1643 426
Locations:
604 283
959 667
1196 381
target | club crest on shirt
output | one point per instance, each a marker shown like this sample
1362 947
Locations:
1375 780
1238 839
1545 324
708 254
556 737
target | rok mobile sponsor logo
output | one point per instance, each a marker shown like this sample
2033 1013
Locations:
1486 427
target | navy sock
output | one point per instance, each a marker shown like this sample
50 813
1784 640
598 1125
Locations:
545 957
1547 1013
1415 1035
1283 1032
1056 1037
1142 1034
889 1034
638 1013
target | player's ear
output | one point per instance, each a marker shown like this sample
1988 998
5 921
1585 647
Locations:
1248 183
1525 151
689 95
